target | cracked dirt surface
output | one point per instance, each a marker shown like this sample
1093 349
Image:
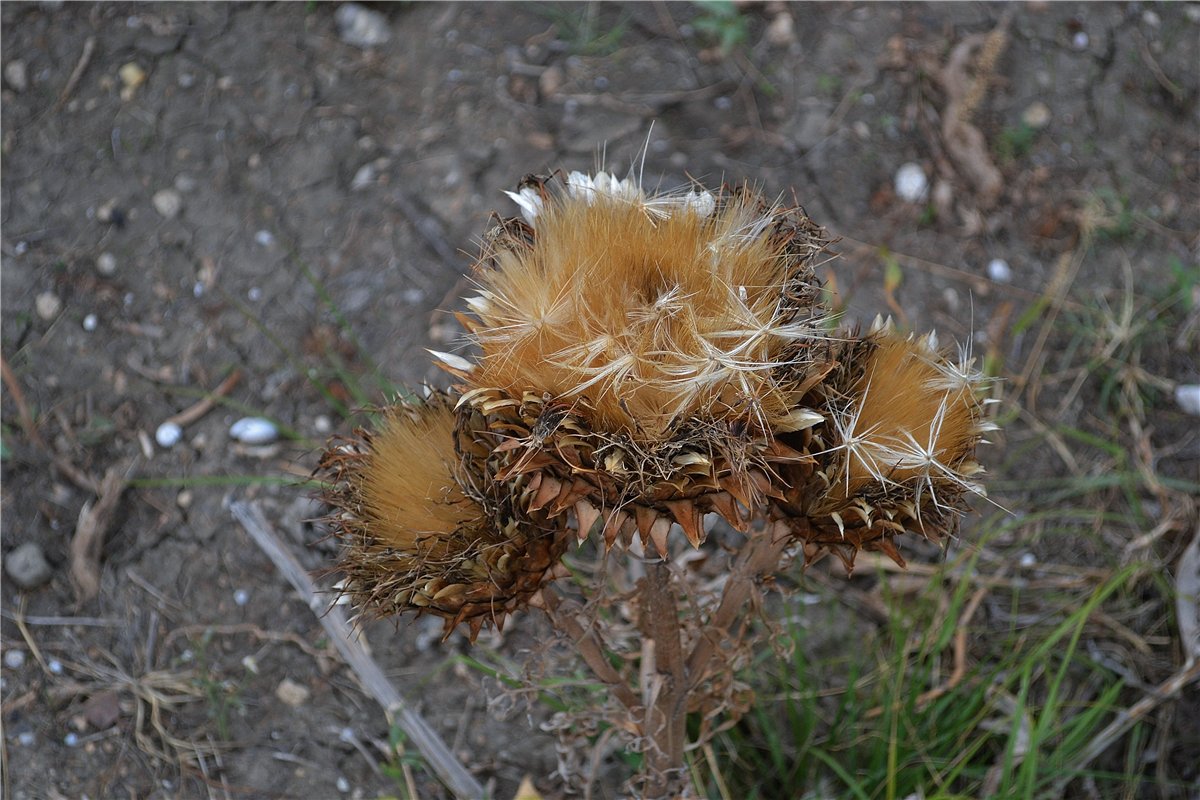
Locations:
312 175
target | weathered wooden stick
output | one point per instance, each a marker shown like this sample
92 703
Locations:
439 757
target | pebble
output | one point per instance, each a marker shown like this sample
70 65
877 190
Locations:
184 499
55 666
26 738
27 566
71 739
264 238
1080 40
14 658
343 785
90 322
999 271
364 177
241 597
250 663
47 305
781 31
291 693
1028 559
912 186
168 203
1187 396
254 430
132 74
360 26
168 435
322 424
106 264
1036 115
16 75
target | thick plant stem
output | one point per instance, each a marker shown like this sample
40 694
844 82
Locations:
761 555
665 724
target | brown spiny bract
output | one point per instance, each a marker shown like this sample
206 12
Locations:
421 530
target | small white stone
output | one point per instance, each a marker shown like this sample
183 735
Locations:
168 203
291 693
26 738
47 305
360 26
71 739
1028 560
912 186
251 664
16 75
264 238
106 264
364 177
254 294
254 430
241 597
1036 115
90 322
999 271
1151 19
1080 40
14 658
322 424
168 435
343 785
55 666
1187 395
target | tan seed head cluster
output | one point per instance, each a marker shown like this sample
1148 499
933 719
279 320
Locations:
642 360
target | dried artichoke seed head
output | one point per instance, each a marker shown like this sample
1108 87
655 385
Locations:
641 349
898 451
416 533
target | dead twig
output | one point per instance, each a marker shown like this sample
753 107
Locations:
85 58
441 760
206 403
94 522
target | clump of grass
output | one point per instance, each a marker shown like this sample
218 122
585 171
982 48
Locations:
896 718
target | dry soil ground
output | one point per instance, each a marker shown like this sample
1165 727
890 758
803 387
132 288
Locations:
192 189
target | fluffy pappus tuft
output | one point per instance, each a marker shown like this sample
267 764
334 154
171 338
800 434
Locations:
649 310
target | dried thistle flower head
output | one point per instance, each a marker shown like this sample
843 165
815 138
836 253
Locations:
648 310
419 532
897 451
642 351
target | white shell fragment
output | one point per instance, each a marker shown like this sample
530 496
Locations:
999 271
912 186
168 434
254 430
1187 395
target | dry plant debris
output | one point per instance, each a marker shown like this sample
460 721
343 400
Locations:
644 361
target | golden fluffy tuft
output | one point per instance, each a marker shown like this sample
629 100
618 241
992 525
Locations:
906 421
649 310
407 485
